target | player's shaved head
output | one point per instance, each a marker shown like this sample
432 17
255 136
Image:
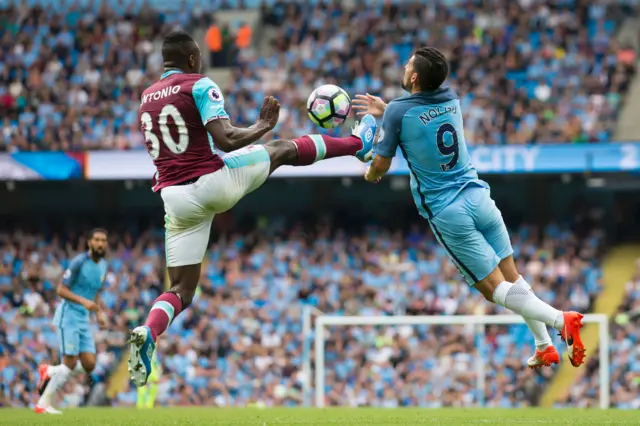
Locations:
180 50
431 68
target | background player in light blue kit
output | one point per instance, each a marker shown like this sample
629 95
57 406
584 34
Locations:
427 127
79 290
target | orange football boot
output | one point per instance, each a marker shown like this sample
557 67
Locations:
544 358
571 335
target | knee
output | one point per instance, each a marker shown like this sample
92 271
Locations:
487 294
186 294
488 285
70 361
281 151
88 365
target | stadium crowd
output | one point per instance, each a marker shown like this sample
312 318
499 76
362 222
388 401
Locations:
528 71
240 343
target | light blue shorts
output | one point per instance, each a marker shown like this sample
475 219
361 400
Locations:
75 339
473 233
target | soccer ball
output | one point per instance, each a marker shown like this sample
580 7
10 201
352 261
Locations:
328 106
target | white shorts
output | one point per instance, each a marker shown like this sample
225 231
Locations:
189 209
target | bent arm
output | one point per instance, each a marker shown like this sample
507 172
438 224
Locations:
229 138
64 292
68 280
388 142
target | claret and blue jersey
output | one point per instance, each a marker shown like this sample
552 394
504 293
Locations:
428 129
206 95
173 114
83 277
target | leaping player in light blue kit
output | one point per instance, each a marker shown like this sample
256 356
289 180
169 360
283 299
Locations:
79 290
427 127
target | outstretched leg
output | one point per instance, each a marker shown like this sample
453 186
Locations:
309 149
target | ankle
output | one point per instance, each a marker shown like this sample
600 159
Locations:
542 346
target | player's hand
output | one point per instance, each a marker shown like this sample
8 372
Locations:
103 320
270 112
369 104
91 306
369 177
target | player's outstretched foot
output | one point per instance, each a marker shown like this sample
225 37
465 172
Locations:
46 409
140 355
571 335
366 131
544 358
43 369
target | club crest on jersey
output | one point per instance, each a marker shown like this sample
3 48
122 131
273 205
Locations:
214 95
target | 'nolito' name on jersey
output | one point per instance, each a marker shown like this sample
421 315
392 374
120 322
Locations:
429 115
156 96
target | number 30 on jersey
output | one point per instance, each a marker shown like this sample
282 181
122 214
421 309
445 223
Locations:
151 137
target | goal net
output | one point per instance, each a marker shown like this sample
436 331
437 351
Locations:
478 332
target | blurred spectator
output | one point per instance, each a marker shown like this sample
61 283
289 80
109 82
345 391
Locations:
532 72
526 72
71 77
213 40
240 342
243 36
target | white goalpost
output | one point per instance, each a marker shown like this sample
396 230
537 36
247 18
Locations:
480 322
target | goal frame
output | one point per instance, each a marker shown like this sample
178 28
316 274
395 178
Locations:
480 322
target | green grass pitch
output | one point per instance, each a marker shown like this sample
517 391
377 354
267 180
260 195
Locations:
331 416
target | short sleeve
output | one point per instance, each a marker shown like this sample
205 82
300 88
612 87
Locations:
389 136
209 100
71 274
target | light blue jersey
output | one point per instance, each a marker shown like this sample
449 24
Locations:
428 129
210 103
85 278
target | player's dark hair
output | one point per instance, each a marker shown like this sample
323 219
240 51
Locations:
177 46
95 231
432 68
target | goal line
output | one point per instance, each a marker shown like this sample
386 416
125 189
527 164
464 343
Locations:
479 321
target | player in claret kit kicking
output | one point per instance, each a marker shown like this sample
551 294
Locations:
183 118
427 127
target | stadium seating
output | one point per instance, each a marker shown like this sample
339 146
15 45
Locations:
530 71
245 323
530 74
